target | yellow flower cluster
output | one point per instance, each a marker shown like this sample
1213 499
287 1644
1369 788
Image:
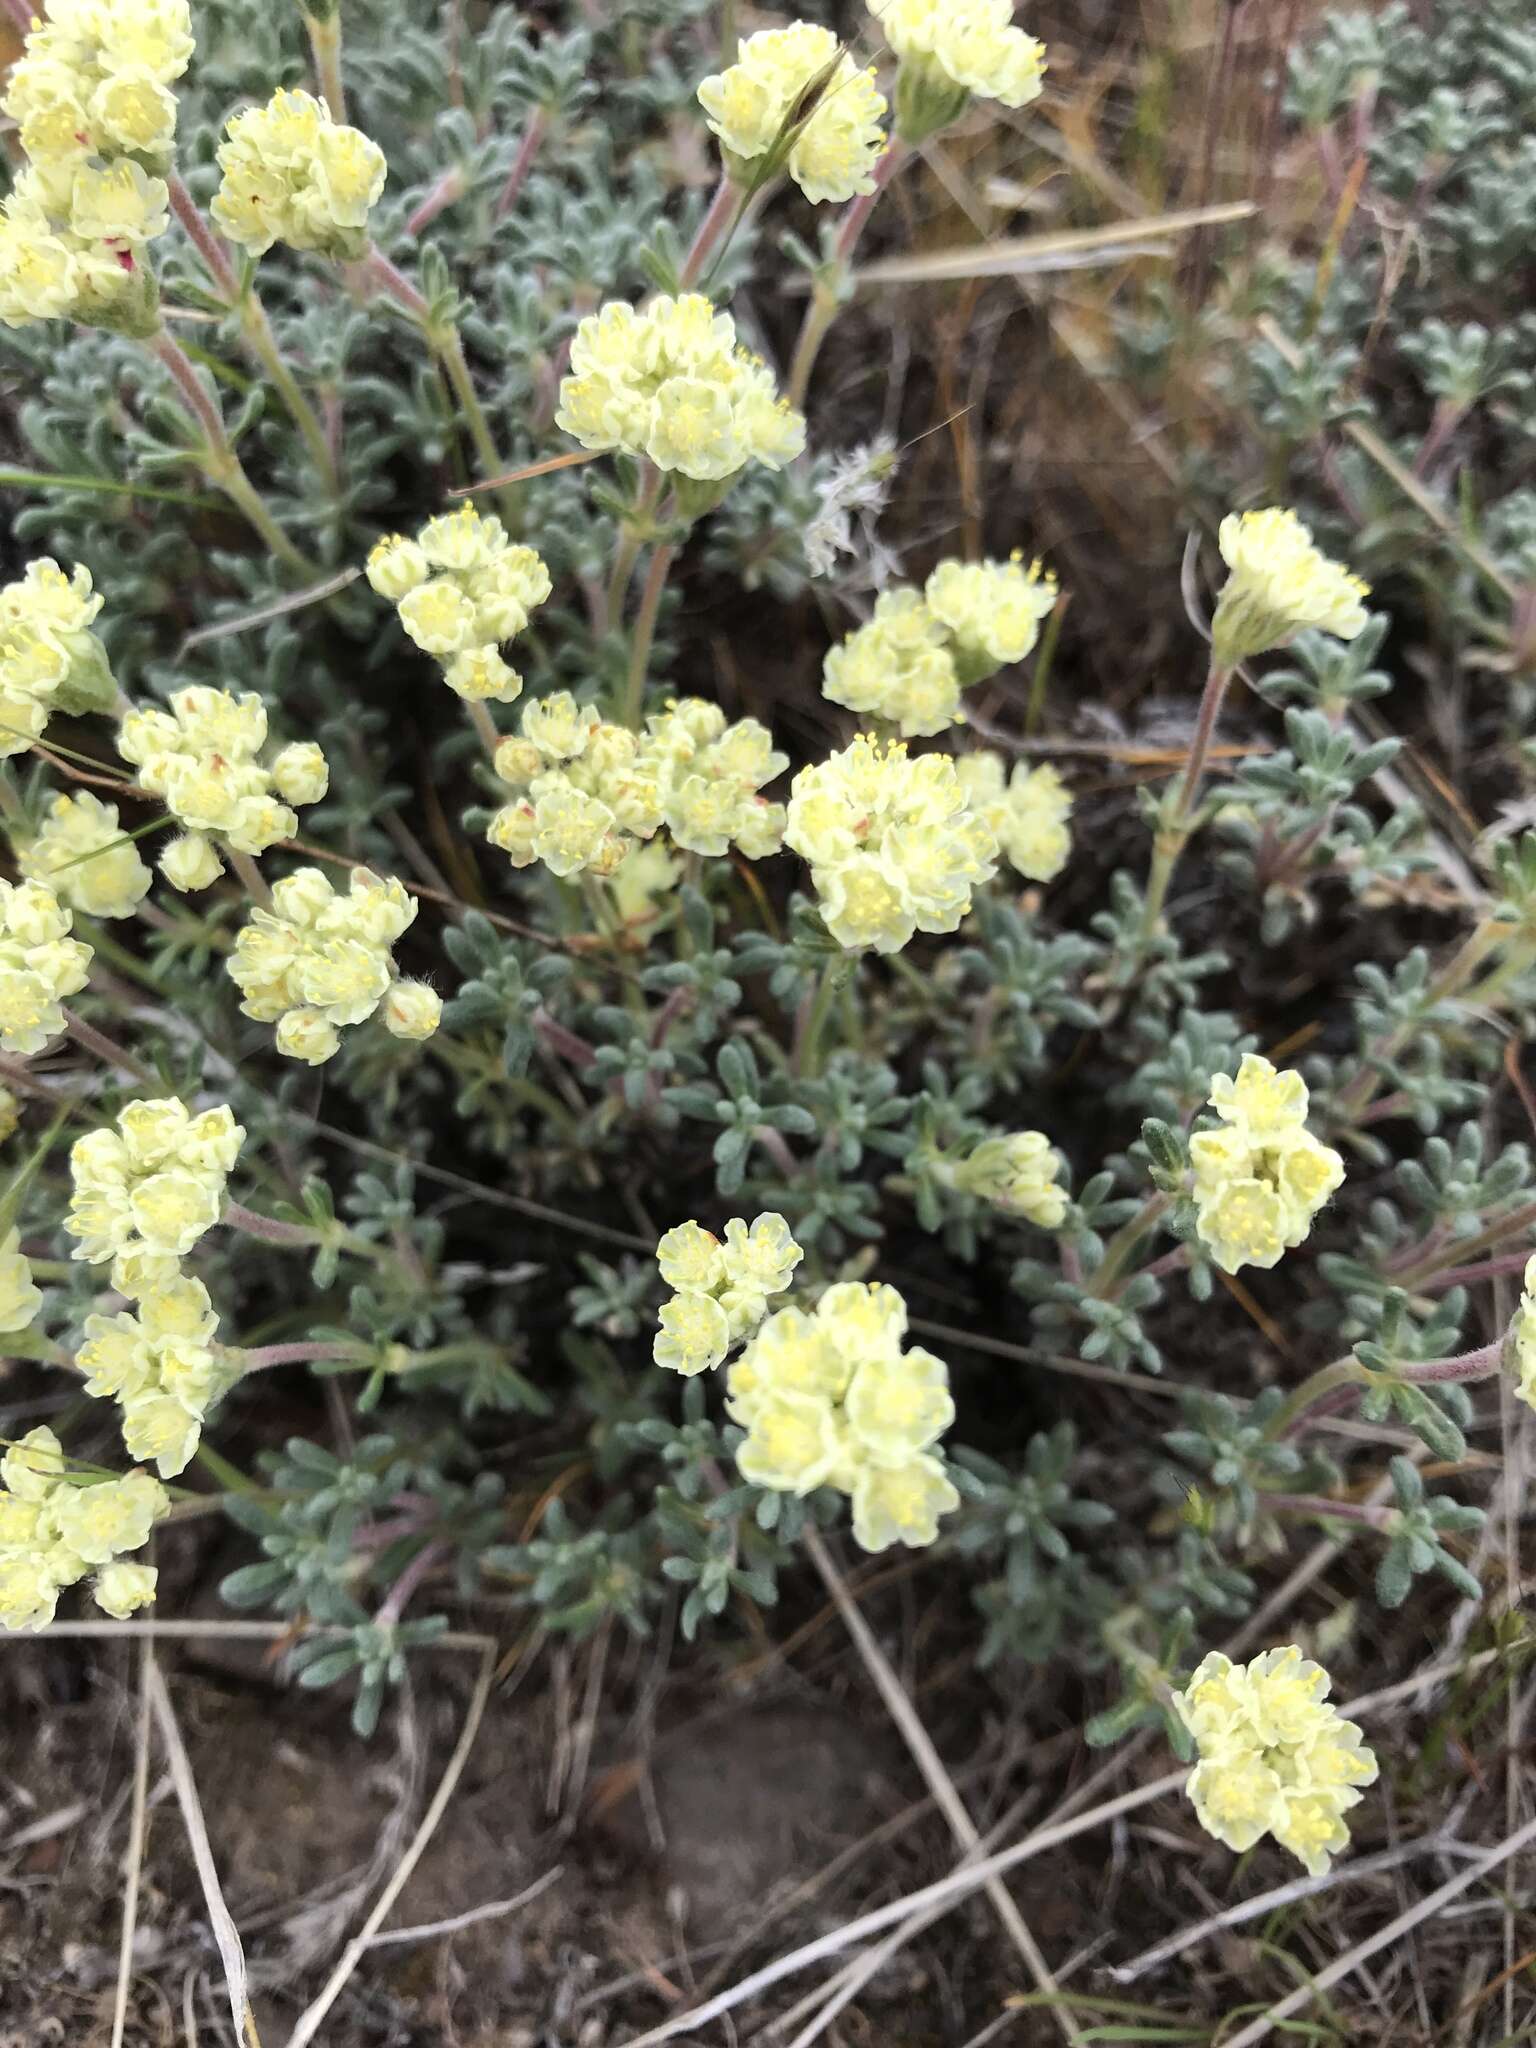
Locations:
146 1192
160 1365
757 109
1275 1758
54 1533
40 964
1279 584
1261 1177
19 1298
461 588
894 843
50 660
91 101
1522 1333
720 1290
831 1399
290 173
1028 810
671 383
1017 1172
589 790
950 49
910 663
317 961
201 756
10 1115
83 852
94 79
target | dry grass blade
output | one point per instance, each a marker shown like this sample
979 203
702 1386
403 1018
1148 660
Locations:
1345 1965
134 1861
225 1934
309 2020
931 1764
1030 255
264 614
431 1929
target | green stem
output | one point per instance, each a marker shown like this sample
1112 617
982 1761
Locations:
644 636
808 1053
219 459
325 47
255 327
1121 1247
1330 1380
1174 833
828 294
443 339
1043 663
251 875
633 535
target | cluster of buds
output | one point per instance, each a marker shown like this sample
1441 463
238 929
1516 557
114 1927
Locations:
588 791
1019 1173
160 1364
831 1399
894 843
82 851
1260 1176
671 383
318 961
794 99
50 660
54 1532
1027 809
144 1193
461 589
291 173
203 757
921 649
96 118
40 964
720 1290
1275 1757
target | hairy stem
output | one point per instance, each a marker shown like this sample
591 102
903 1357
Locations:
644 635
325 48
522 163
1173 837
220 461
827 296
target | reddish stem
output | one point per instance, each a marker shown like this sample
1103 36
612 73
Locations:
528 149
425 1560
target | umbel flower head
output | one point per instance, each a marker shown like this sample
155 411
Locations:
54 1533
670 382
950 49
1027 809
461 588
40 964
19 1298
145 1192
94 79
894 844
795 96
50 660
161 1366
831 1399
291 173
83 852
1275 1757
1260 1176
588 791
1279 584
721 1290
317 961
910 663
203 757
72 246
